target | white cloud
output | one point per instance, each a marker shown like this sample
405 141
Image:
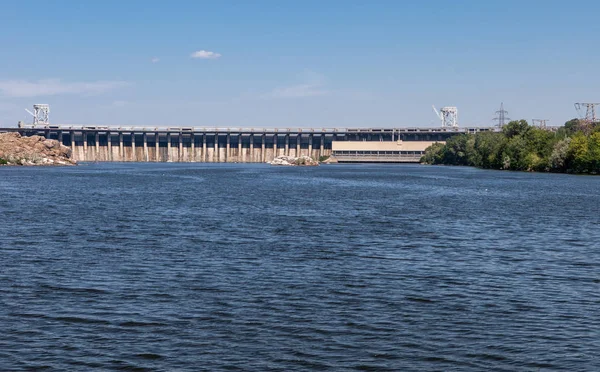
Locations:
53 87
155 60
204 54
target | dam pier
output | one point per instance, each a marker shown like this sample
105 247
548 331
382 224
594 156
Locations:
242 145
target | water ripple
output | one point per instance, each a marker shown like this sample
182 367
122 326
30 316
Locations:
144 267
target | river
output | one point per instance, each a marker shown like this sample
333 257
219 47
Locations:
186 267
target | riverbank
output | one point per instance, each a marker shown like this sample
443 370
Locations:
31 151
574 148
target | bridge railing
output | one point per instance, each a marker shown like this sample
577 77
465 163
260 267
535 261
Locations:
72 127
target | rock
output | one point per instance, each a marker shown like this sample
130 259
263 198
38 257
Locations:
34 150
50 144
293 161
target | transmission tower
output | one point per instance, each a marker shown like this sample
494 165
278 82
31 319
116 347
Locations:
501 118
41 114
540 123
588 118
590 111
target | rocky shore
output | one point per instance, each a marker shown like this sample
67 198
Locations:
35 150
294 161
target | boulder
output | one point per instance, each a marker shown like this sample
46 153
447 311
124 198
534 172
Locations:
294 161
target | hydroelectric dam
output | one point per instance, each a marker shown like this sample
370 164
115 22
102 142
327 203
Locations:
242 145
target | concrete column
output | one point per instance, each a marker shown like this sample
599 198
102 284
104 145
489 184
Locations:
109 146
310 141
298 142
73 144
85 145
227 148
252 148
133 157
263 146
97 146
146 156
275 145
216 157
204 157
180 148
168 146
193 148
240 157
156 147
121 151
60 137
322 148
287 145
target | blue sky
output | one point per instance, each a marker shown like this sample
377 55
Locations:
296 63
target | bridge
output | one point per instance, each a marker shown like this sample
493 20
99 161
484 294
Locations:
244 145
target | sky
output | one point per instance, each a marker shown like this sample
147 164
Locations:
309 64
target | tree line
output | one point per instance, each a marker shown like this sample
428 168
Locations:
573 148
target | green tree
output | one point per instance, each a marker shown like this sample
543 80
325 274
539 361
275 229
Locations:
515 128
579 152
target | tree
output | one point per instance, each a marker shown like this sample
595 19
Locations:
578 151
515 128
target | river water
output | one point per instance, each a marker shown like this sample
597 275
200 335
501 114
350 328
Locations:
187 267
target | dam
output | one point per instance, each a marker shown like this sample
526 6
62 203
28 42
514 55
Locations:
242 145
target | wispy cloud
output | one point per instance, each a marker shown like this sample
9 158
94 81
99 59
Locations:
300 90
155 60
204 54
119 103
53 87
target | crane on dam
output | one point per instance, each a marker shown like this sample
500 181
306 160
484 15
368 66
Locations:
448 115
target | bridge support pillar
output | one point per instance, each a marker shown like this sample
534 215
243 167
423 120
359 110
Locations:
85 145
263 152
252 148
310 143
145 139
180 148
204 157
156 147
168 147
192 148
240 158
216 157
121 150
228 148
322 148
97 146
287 145
133 157
275 145
298 144
73 143
109 146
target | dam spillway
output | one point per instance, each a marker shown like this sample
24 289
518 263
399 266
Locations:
243 145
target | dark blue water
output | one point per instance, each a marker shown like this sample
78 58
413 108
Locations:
251 267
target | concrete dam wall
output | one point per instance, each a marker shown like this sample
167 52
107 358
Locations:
179 147
220 145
